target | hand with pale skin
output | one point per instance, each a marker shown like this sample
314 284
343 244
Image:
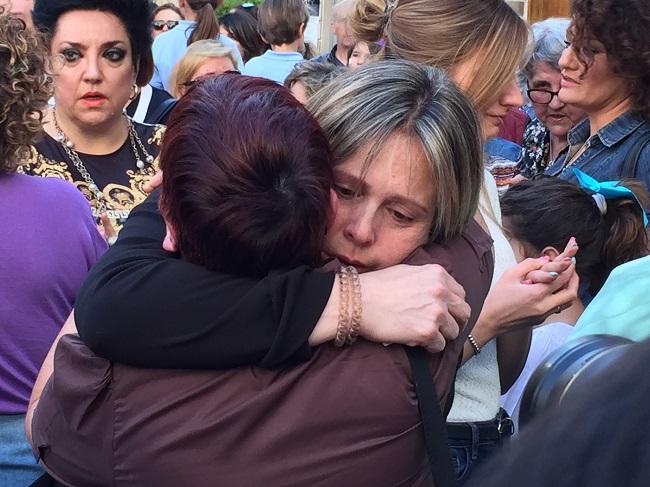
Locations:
106 229
523 297
411 305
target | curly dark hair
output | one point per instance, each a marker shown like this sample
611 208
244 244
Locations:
24 89
623 27
136 15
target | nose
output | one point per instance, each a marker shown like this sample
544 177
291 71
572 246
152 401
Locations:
567 59
556 103
360 229
165 28
93 72
511 95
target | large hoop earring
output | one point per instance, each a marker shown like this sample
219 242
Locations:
135 91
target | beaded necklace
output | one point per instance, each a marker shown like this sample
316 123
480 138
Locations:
68 147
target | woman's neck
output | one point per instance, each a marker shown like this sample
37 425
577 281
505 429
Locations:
557 144
98 140
188 13
600 118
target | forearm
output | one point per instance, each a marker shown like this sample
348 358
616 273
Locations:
47 368
143 307
512 352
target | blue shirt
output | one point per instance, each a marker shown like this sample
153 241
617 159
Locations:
170 46
605 152
273 65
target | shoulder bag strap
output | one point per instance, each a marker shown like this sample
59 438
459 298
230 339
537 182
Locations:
632 158
433 424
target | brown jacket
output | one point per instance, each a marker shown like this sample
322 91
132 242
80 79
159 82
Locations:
347 417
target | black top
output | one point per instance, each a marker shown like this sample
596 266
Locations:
116 174
123 315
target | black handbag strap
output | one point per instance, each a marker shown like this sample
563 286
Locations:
433 423
632 158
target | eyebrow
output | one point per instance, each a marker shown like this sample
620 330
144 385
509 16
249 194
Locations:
108 44
539 83
360 185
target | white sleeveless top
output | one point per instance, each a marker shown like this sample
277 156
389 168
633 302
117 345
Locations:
478 388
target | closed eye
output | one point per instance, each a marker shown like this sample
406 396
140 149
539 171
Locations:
345 193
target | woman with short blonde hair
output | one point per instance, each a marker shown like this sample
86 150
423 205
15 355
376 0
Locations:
202 58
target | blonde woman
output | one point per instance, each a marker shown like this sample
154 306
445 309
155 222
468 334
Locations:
203 58
480 43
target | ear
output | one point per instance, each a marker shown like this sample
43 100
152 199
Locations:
334 208
550 252
301 30
169 244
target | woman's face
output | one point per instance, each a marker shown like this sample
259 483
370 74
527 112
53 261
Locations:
386 214
360 55
212 66
558 117
93 68
164 20
595 90
507 98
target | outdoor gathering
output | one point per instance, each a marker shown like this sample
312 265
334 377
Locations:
324 243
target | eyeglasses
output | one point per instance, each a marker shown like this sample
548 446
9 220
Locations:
160 24
543 97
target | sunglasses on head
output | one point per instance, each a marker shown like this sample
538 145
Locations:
160 24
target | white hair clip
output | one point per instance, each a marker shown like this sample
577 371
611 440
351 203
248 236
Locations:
601 203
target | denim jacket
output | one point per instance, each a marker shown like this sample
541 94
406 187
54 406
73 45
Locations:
605 152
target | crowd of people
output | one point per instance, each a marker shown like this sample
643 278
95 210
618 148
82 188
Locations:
340 269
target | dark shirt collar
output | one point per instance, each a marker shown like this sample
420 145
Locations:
333 59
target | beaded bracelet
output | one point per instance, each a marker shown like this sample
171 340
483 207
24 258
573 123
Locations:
474 345
355 319
344 325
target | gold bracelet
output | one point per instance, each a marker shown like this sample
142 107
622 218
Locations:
344 325
355 319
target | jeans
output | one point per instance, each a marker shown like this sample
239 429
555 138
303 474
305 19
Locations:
18 468
465 459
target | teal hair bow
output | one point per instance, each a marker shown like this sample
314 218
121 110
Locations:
609 189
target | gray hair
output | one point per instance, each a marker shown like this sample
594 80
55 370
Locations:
313 75
549 35
374 102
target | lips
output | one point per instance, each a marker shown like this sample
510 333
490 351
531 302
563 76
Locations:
567 82
93 98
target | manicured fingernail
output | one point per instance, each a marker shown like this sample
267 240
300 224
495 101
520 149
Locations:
572 242
574 261
553 274
545 258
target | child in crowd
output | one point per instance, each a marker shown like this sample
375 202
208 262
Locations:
282 24
543 215
306 78
362 53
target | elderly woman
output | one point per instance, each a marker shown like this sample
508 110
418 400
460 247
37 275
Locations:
546 135
100 53
281 212
605 70
203 58
48 243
